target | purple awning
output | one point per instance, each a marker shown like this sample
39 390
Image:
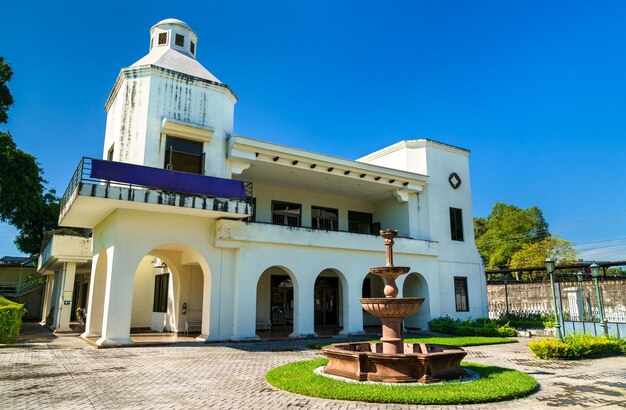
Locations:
167 180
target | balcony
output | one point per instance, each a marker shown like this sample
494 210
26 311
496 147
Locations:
99 187
233 233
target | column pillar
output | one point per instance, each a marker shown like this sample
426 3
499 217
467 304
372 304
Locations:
303 319
57 298
353 313
118 297
95 298
65 297
47 301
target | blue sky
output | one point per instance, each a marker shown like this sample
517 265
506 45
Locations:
534 89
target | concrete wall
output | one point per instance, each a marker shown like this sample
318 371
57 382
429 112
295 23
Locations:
539 295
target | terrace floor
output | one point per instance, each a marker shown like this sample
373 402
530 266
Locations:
43 370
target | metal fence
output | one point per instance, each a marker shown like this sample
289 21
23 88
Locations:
582 306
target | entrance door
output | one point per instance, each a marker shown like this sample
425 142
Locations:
281 300
326 299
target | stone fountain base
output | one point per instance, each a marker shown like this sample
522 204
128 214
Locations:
420 362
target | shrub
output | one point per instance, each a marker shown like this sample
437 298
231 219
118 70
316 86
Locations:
576 346
10 319
527 320
478 327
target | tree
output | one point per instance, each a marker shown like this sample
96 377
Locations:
505 231
535 254
6 99
24 201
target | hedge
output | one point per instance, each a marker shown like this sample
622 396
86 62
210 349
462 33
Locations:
478 327
10 319
577 346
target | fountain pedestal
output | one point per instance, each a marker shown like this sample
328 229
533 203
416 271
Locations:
392 360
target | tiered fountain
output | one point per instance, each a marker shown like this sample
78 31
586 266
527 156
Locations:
392 360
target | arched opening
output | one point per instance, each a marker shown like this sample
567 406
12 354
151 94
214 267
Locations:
373 287
415 286
329 293
170 285
275 303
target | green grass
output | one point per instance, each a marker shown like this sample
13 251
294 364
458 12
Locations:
495 384
460 341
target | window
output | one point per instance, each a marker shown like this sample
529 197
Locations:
456 224
180 40
285 213
252 218
324 218
359 222
159 303
460 294
151 42
192 47
184 155
162 38
110 153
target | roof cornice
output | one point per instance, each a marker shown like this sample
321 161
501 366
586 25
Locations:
418 143
151 69
254 150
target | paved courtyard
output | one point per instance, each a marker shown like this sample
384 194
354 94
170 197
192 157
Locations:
43 371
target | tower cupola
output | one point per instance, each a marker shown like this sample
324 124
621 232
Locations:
174 34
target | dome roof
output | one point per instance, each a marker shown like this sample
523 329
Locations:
171 21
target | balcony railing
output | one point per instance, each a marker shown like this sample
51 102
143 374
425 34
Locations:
119 174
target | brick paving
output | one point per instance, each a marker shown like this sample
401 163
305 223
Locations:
43 371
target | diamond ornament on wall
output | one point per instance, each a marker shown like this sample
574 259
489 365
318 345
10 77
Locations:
455 180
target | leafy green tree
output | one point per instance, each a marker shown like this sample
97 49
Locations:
6 99
535 254
24 201
505 231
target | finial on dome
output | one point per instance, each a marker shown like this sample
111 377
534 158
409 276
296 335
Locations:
174 34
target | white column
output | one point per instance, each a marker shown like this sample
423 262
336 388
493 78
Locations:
303 318
353 314
65 297
118 297
95 299
57 299
244 319
47 301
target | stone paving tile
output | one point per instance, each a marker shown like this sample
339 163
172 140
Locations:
67 373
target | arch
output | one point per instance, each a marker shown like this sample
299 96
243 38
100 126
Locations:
172 286
415 285
276 302
330 292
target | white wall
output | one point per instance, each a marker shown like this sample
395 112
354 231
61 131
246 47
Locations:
143 294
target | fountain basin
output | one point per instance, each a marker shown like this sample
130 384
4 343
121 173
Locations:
391 307
420 362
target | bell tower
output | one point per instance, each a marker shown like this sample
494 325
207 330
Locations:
167 111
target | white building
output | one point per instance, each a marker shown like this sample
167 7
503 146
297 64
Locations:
252 233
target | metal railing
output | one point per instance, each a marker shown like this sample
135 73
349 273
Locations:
82 175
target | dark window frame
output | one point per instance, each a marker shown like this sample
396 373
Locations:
456 224
192 47
274 216
461 297
161 290
162 39
192 150
110 153
180 37
328 224
356 226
